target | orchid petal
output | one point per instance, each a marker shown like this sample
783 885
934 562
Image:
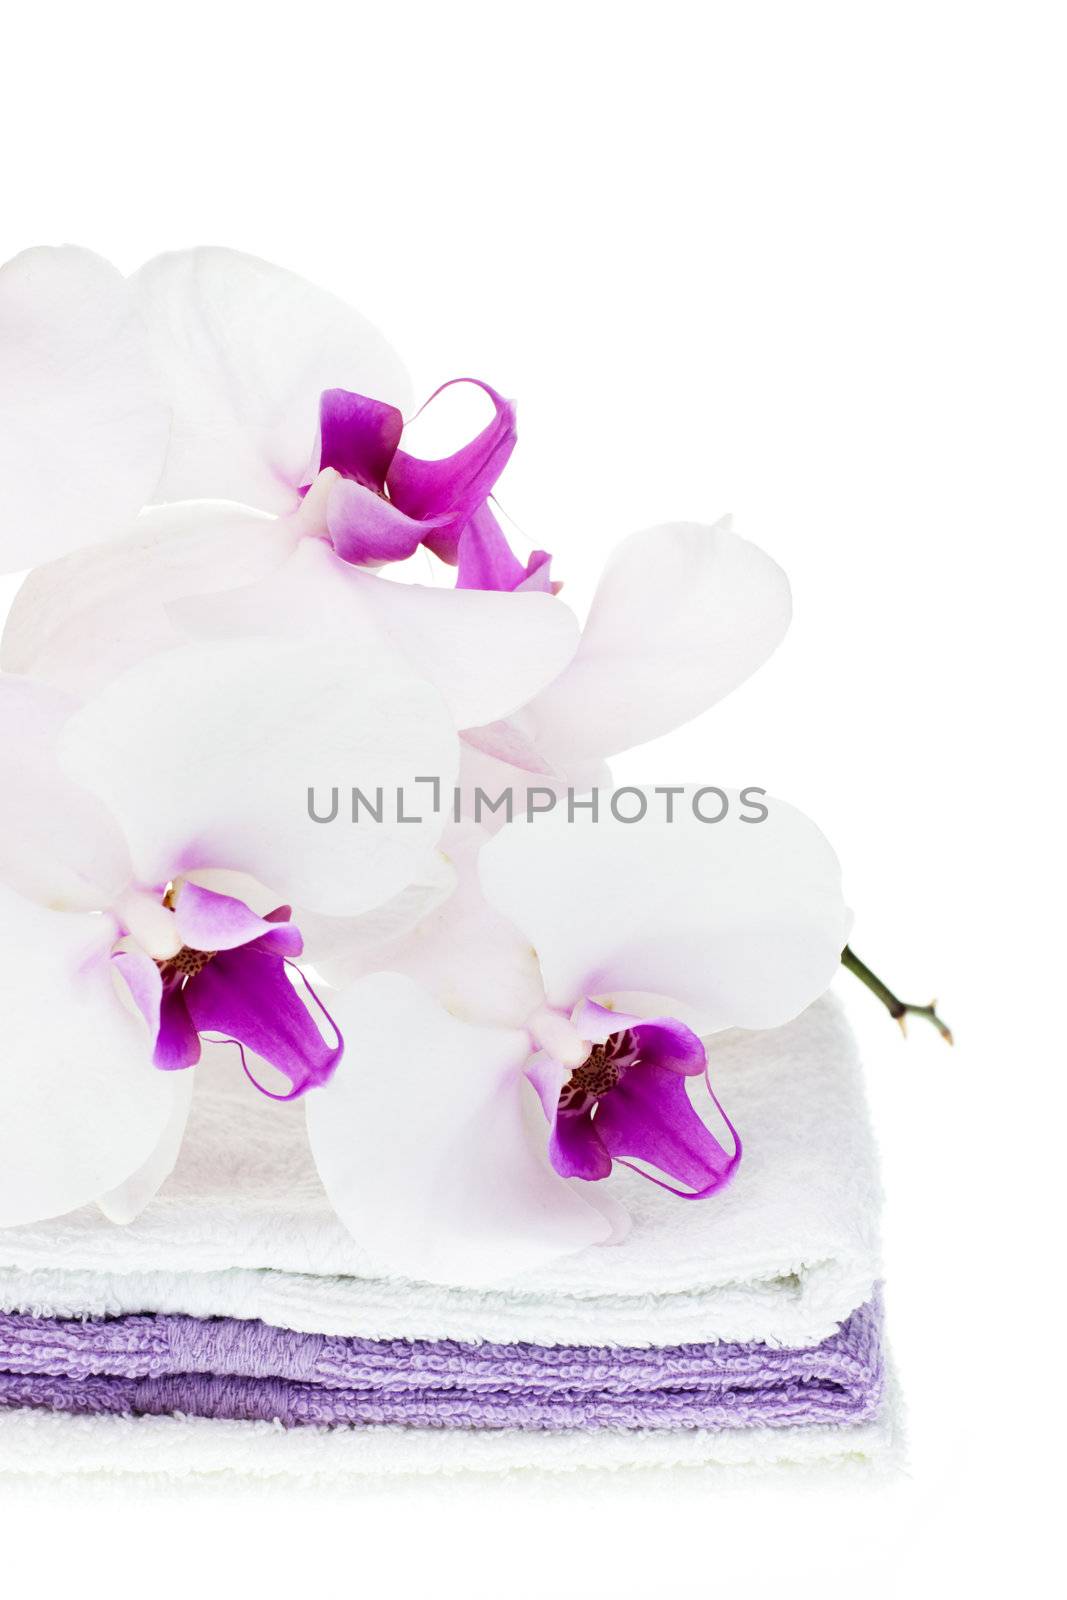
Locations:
359 436
538 579
248 349
142 977
455 487
498 759
83 430
575 1148
597 1023
650 1117
682 615
421 1143
669 1044
485 653
77 622
461 951
128 1199
548 1077
207 920
245 995
344 948
58 844
492 752
83 1107
487 561
742 923
329 943
366 530
177 1044
207 753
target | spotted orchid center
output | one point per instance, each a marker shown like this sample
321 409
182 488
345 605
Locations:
188 963
601 1071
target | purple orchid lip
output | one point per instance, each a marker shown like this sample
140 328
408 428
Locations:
627 1102
230 980
388 502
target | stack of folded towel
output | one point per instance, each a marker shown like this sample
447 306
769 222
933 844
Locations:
235 1327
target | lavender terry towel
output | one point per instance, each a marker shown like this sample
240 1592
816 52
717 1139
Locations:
249 1371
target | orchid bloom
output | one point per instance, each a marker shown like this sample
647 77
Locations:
211 375
580 973
211 380
147 831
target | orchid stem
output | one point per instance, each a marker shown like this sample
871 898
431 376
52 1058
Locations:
899 1010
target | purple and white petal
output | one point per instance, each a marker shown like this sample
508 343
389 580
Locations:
246 350
83 427
367 531
208 920
597 1023
140 973
422 1145
743 924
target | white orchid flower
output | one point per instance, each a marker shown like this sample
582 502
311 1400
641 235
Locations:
571 995
133 823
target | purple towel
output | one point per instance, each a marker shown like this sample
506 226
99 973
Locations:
249 1371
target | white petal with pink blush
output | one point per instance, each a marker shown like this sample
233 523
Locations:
742 923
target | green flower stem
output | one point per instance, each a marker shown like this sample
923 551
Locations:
900 1010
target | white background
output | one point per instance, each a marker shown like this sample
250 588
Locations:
801 262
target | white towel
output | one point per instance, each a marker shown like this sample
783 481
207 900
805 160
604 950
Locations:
46 1445
243 1228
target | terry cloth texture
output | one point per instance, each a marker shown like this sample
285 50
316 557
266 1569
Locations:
53 1446
247 1371
235 1331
